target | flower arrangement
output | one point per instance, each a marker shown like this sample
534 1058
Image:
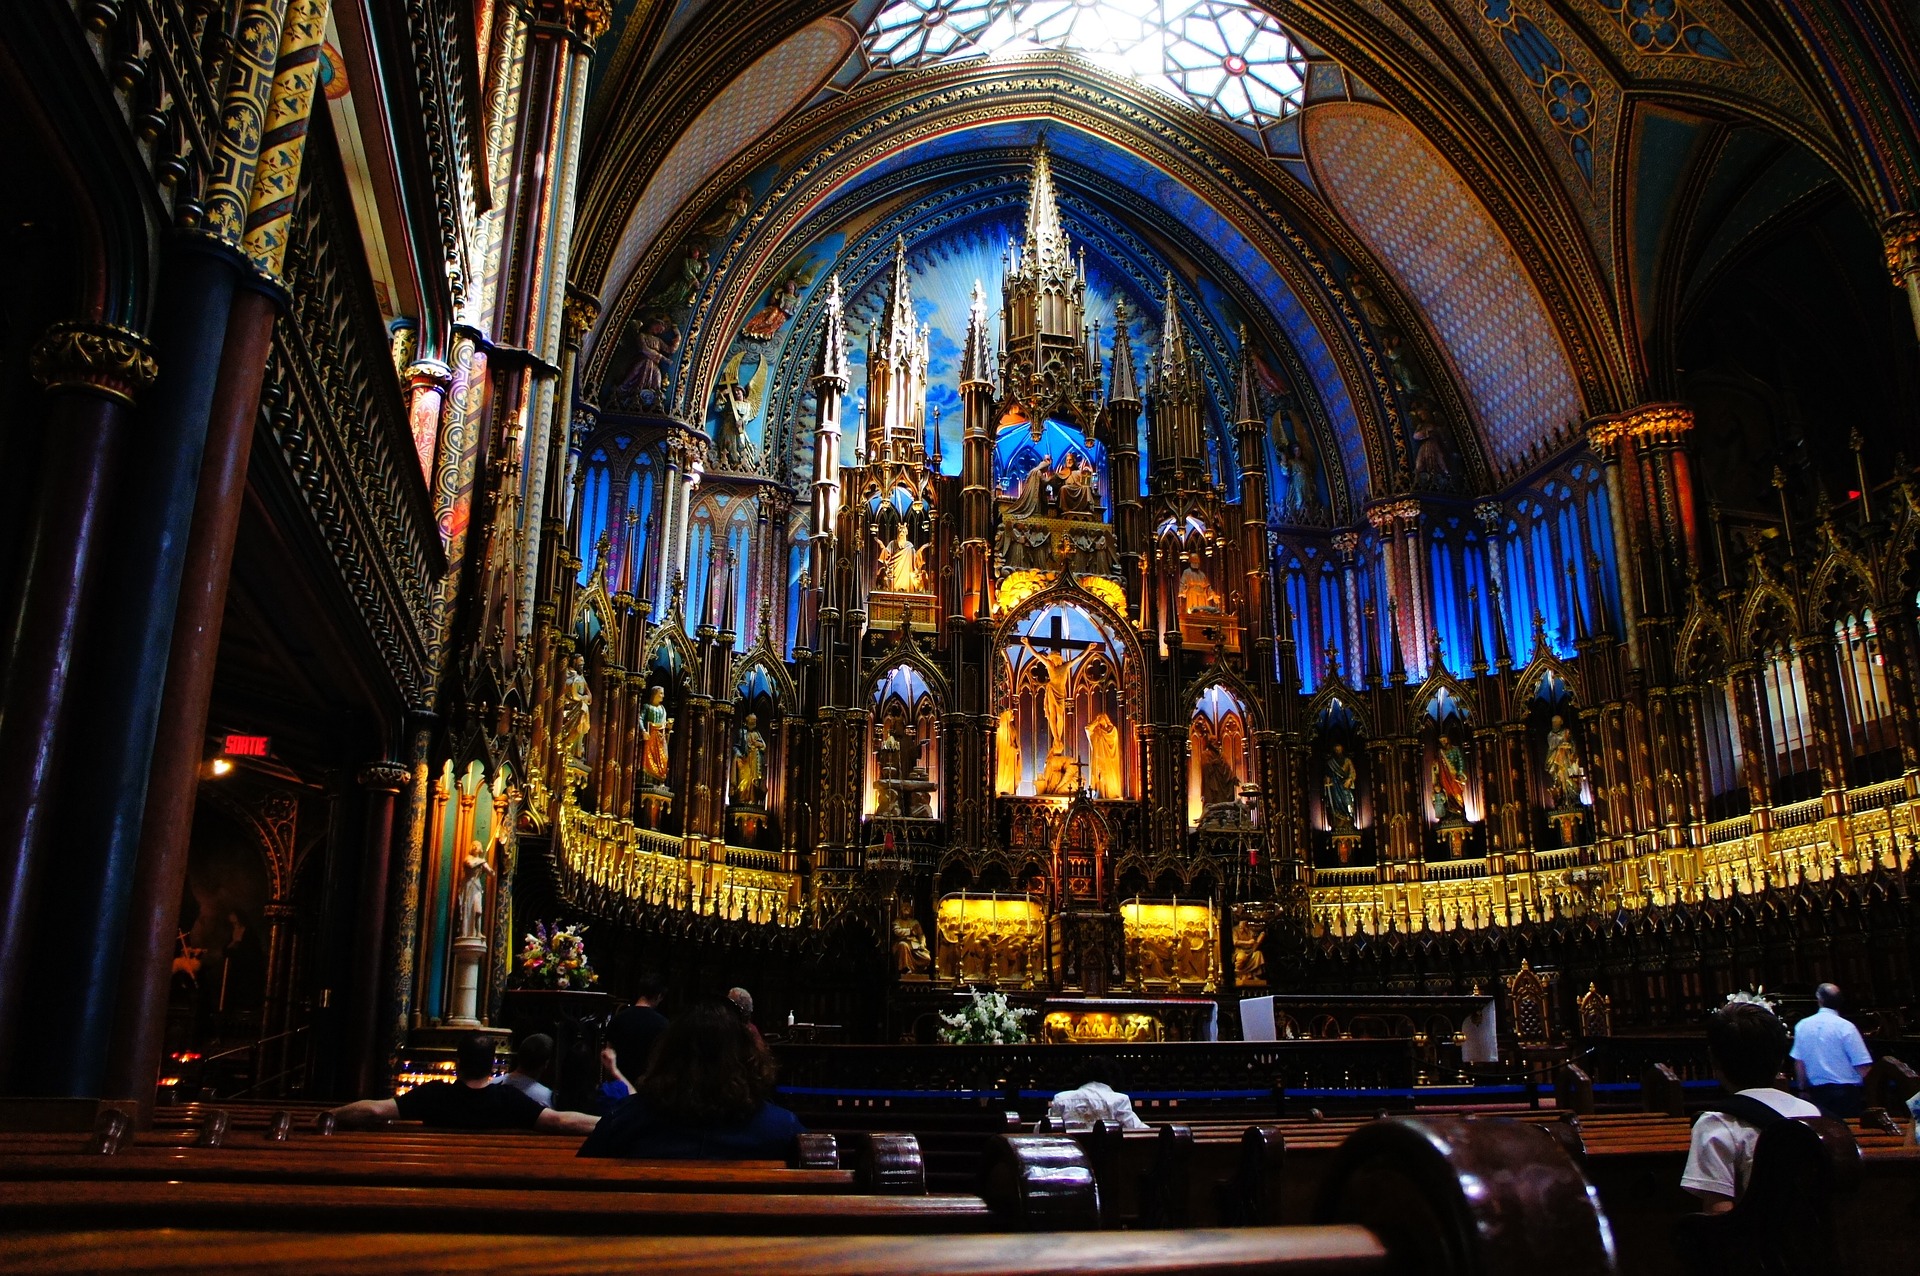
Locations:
1757 997
986 1020
555 957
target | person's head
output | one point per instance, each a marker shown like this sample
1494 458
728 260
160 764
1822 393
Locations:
648 990
707 1068
742 1001
1748 1043
473 1057
1828 995
532 1054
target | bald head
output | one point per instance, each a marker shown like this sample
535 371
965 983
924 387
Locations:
1828 995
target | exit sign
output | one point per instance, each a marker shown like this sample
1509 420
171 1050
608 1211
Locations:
247 746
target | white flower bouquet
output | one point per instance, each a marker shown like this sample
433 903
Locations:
986 1020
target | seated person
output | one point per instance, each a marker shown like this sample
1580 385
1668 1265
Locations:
1093 1100
1747 1043
703 1097
469 1102
530 1059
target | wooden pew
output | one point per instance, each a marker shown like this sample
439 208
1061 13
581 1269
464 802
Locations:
1450 1197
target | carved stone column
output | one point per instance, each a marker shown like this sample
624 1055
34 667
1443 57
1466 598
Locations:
1901 235
92 374
383 783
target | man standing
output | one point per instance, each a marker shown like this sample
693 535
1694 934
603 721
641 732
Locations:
634 1031
1830 1058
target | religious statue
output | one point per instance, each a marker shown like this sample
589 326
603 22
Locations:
734 408
1036 493
1006 753
1219 786
1339 784
1564 772
655 340
1103 744
1197 594
910 956
771 318
1056 695
1075 486
654 728
471 918
901 564
1449 780
1249 959
1368 304
750 765
576 703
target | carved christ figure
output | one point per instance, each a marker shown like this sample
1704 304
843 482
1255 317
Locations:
1057 691
900 564
1197 593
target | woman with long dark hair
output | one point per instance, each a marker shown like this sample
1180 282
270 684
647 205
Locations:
704 1097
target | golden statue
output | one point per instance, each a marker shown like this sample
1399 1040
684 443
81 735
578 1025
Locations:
1197 593
901 564
910 956
750 765
655 726
1103 740
576 703
1249 959
1056 697
1006 753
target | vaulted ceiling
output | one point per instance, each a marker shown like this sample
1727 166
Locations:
1491 218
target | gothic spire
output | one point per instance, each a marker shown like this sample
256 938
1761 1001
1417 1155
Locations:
1046 246
1174 364
899 325
1122 388
975 360
1247 397
832 365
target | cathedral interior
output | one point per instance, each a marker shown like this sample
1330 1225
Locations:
1131 504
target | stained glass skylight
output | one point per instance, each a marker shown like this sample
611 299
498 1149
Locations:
1224 56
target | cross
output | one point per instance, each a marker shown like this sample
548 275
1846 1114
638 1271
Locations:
1057 640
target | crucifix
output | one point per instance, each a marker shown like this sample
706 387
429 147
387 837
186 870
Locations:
1057 692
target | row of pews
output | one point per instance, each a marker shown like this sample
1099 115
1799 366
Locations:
241 1189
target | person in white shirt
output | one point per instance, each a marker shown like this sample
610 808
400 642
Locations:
1748 1043
1093 1100
530 1059
1830 1057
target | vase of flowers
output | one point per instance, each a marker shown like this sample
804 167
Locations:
555 957
986 1020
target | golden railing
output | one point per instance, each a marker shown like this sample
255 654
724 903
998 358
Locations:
657 870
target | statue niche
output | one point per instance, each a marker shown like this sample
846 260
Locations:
1059 732
751 795
1554 725
1339 752
1217 739
903 753
1052 514
1450 791
900 540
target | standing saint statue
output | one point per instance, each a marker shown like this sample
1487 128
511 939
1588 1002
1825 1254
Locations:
1339 784
1449 780
1006 753
901 564
1564 772
576 703
1103 742
1197 594
1218 784
471 919
750 765
654 728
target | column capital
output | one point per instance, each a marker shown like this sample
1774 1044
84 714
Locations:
589 19
96 357
1660 422
388 777
1900 234
426 374
579 312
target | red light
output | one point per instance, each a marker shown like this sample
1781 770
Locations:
247 746
1853 494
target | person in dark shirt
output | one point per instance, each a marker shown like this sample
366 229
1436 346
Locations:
469 1102
635 1031
703 1098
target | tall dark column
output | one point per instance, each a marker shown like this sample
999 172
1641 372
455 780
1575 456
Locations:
384 782
92 374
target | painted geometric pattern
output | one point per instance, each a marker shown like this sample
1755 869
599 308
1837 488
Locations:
1417 214
780 80
1667 27
1565 94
